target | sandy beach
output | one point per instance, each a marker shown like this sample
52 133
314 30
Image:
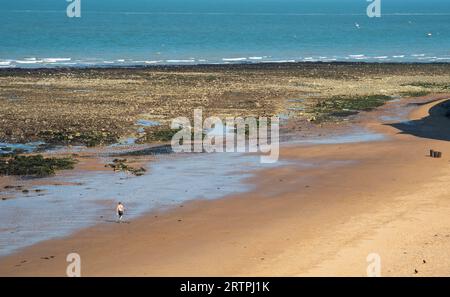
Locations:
248 147
352 199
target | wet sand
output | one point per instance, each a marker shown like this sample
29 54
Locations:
386 197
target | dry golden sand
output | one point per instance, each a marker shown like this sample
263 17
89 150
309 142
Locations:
387 197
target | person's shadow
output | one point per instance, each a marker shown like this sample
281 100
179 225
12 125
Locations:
434 126
116 221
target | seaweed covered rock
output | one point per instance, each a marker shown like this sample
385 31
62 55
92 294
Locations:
120 165
36 165
88 138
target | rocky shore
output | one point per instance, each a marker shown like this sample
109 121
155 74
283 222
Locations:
99 106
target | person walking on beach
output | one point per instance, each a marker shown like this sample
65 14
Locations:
120 209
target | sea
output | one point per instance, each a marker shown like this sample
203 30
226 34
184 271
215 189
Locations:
146 32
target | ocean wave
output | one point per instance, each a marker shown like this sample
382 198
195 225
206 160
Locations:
56 60
152 62
356 56
34 62
427 58
180 61
234 59
280 61
41 61
28 61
